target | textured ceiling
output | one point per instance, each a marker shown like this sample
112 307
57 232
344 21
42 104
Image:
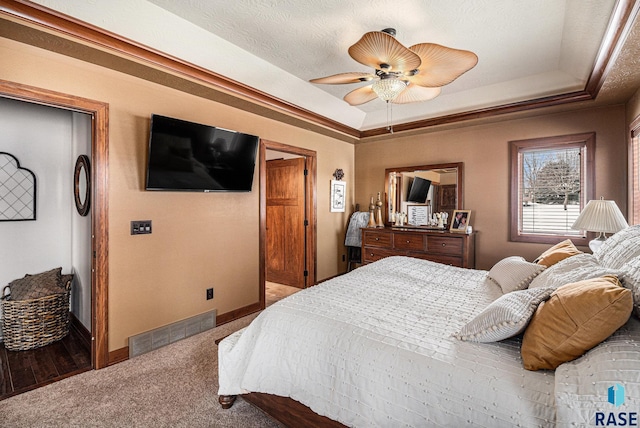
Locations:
527 48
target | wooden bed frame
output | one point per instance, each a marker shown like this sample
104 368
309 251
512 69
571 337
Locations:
286 410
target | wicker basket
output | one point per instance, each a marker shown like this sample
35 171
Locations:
34 322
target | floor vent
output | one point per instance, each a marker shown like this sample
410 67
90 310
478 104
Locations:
162 336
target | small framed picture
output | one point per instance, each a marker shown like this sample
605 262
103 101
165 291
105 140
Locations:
418 215
338 196
460 221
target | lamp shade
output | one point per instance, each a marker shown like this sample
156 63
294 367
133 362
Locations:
600 216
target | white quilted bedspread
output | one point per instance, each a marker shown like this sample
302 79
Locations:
373 348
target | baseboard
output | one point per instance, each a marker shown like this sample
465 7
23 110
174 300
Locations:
238 313
122 354
118 356
81 330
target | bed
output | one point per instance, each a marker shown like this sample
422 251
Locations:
392 344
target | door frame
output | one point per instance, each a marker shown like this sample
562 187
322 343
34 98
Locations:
99 113
310 208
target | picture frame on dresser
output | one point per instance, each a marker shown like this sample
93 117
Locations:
460 221
418 215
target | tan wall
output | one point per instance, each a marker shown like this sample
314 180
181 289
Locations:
484 149
199 240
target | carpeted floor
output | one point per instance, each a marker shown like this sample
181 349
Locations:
175 386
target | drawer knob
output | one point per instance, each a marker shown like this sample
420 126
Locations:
444 245
377 239
371 254
408 241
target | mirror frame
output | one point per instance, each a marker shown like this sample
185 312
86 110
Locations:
82 201
459 182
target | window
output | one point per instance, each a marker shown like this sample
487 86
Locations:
552 179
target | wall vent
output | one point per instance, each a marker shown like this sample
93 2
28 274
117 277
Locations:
162 336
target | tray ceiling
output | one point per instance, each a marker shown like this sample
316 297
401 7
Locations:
527 49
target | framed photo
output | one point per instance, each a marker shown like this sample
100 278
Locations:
338 196
460 221
418 215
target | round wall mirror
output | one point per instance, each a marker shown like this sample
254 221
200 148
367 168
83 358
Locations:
82 184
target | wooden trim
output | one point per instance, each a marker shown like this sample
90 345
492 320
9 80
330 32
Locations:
573 140
90 34
118 356
81 330
238 313
620 23
290 412
310 203
26 11
633 210
99 112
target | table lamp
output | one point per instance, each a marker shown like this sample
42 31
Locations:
600 216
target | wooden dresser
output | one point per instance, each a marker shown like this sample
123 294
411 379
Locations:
456 249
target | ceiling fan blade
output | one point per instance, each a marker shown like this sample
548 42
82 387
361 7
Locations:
360 95
441 65
382 51
415 93
352 77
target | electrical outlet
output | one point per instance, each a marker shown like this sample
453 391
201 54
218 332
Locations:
209 293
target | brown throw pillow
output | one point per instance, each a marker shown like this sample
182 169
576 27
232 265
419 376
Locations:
558 252
577 317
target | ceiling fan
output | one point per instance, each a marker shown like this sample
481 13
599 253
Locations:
402 75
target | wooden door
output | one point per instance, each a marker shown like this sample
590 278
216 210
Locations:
285 197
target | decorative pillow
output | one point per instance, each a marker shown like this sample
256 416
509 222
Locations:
576 318
620 248
514 273
506 317
630 278
573 269
558 252
35 286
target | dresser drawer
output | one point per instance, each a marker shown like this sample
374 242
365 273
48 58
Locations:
372 254
447 260
444 245
408 241
372 238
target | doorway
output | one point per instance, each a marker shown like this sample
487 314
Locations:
99 113
278 216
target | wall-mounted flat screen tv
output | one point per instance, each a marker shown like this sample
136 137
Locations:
187 156
419 190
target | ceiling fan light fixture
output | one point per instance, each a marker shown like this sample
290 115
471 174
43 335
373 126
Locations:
388 89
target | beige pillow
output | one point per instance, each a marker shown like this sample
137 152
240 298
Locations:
576 318
558 252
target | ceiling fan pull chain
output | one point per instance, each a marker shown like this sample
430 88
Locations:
389 117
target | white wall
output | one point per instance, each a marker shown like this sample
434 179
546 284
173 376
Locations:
81 229
41 139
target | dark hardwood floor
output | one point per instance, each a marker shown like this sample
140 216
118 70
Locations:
22 371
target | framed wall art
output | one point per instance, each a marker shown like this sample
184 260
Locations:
338 196
17 190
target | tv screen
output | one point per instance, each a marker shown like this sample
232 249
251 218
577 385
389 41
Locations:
186 156
419 190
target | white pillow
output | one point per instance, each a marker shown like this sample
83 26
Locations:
630 279
620 248
514 273
506 317
573 269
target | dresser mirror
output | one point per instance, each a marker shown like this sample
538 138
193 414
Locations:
418 192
